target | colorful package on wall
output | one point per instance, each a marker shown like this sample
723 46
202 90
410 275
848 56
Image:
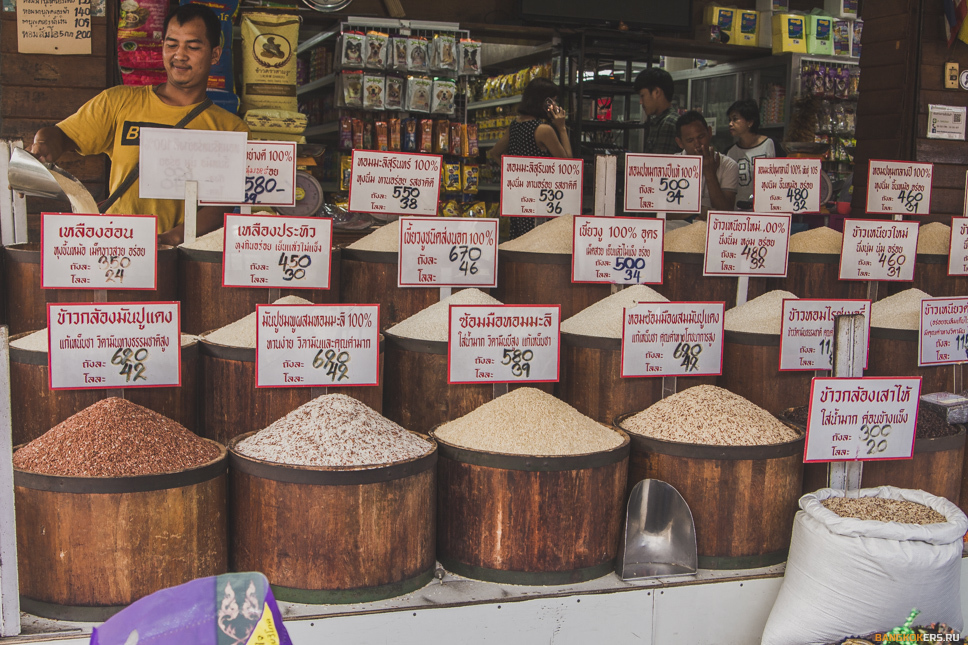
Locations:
409 127
394 93
142 19
444 56
373 91
417 55
375 50
269 61
470 57
419 90
397 56
352 85
444 96
352 50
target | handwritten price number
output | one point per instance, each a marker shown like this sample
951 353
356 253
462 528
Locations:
673 189
255 186
961 342
798 198
294 266
553 200
893 262
82 20
826 347
870 434
114 267
911 199
631 266
756 255
467 256
689 354
407 196
132 362
519 361
336 365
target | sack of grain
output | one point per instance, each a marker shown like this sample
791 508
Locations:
853 576
269 61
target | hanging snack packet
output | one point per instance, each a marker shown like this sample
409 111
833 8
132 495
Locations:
469 176
345 133
444 96
470 57
368 136
418 93
444 52
451 180
269 61
352 50
475 209
352 82
409 127
417 54
373 91
469 133
394 93
395 134
449 208
382 136
357 134
397 56
376 50
345 171
426 135
442 138
455 140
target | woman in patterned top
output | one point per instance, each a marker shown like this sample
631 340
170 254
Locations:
539 131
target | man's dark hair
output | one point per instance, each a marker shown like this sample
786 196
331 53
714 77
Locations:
749 110
653 77
692 116
535 94
187 12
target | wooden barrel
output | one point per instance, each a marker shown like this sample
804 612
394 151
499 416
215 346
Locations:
591 379
88 546
368 277
931 276
26 302
232 405
682 280
524 520
894 352
742 498
544 279
334 535
35 408
751 369
207 305
817 275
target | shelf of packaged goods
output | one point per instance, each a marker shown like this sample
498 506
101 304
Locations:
311 86
321 129
309 43
508 100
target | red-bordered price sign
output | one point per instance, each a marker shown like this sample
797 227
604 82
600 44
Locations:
540 186
663 183
807 332
401 183
447 252
673 339
943 331
880 250
277 252
899 187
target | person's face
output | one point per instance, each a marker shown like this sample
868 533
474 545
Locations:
650 100
738 126
693 137
187 54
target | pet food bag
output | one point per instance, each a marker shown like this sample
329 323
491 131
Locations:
444 96
444 56
269 61
417 54
470 57
373 91
375 51
419 90
352 50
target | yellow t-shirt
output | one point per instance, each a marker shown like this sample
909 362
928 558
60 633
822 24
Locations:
111 122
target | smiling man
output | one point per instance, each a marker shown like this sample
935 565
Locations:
111 122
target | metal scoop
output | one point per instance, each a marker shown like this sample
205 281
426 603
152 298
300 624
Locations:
660 536
27 174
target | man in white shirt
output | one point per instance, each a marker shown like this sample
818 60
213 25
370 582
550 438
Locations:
720 174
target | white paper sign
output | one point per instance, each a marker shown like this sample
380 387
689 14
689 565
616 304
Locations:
786 185
447 252
673 339
540 186
402 183
279 252
270 174
807 332
862 419
878 250
946 122
663 183
317 345
747 244
503 343
617 250
101 345
169 157
958 255
900 187
943 337
98 251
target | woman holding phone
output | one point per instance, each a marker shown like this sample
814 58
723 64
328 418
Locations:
539 131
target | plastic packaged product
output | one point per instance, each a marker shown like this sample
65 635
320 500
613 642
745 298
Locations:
352 50
397 56
426 135
143 76
449 208
455 138
442 137
357 134
475 209
376 50
382 136
345 171
394 93
417 54
470 57
228 101
409 141
469 178
373 91
142 19
394 141
269 61
451 182
419 90
138 53
494 210
471 146
345 133
443 96
352 84
276 121
444 52
368 138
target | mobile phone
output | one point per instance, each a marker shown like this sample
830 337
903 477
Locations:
550 105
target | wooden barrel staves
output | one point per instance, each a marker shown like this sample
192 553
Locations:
817 275
530 520
751 369
88 546
544 279
894 352
326 535
931 276
371 277
742 498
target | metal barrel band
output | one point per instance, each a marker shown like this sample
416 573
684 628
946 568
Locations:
353 596
528 578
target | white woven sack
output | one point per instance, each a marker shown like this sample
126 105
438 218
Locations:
846 576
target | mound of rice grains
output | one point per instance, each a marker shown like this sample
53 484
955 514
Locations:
530 422
334 430
934 239
209 242
900 311
556 235
822 240
385 238
929 425
604 318
241 333
763 315
880 509
712 416
115 438
686 239
433 322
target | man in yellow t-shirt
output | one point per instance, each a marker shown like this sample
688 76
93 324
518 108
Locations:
111 122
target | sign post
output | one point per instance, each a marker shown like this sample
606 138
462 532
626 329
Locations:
9 585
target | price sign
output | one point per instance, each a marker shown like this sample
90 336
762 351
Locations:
447 252
878 250
673 339
663 183
317 345
395 182
786 185
617 250
862 419
98 251
899 187
744 244
101 345
958 255
53 26
807 332
943 338
503 343
541 186
277 252
169 157
270 174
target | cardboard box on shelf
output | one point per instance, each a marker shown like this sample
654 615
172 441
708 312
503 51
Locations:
857 30
748 30
820 37
841 8
725 18
843 32
789 33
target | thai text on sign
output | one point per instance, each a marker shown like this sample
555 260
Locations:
673 339
807 331
899 187
270 174
398 183
878 250
540 186
617 250
958 253
168 157
447 252
943 332
277 252
750 244
663 183
786 185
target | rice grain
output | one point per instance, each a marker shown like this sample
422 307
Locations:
241 333
934 239
433 322
900 311
763 315
213 241
880 509
553 236
822 240
687 239
604 318
385 238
